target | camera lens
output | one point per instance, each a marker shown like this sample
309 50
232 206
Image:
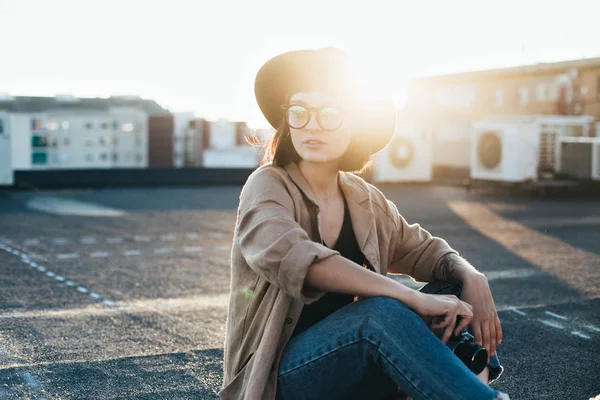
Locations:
473 355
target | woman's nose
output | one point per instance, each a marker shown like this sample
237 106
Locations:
312 125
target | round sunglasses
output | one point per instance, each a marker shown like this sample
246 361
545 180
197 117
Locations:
329 118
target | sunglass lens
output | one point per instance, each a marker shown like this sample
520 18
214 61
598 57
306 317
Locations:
330 118
297 116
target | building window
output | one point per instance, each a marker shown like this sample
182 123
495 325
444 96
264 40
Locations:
598 86
499 97
89 125
65 125
89 143
458 96
36 124
89 157
52 125
104 125
66 141
103 156
127 127
39 141
546 91
523 96
39 158
1 127
104 141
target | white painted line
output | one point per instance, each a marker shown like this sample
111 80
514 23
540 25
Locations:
132 253
69 283
67 256
108 302
581 335
61 241
552 324
556 315
59 278
192 235
31 242
41 269
169 237
591 327
162 251
33 264
88 240
51 274
115 240
82 289
95 295
192 249
63 206
141 238
100 254
510 274
517 311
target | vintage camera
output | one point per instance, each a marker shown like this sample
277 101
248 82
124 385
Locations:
473 355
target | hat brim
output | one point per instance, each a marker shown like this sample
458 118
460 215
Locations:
329 70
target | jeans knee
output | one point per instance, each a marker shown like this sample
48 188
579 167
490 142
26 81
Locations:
381 308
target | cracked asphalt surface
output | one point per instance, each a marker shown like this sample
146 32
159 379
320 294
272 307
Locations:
134 306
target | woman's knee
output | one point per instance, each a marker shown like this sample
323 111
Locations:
384 311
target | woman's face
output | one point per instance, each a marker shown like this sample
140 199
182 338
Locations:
313 142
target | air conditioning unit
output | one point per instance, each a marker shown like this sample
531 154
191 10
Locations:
504 151
552 129
408 157
580 158
6 168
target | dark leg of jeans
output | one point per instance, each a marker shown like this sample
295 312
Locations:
346 353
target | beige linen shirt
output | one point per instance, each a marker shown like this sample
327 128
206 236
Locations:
276 241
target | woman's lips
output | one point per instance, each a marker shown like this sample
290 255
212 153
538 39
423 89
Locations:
314 144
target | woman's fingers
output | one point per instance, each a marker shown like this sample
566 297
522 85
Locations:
498 330
492 338
485 333
476 328
449 328
461 326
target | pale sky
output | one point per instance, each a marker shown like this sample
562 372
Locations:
202 56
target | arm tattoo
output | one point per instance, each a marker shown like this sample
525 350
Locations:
447 268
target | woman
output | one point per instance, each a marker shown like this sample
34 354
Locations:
311 313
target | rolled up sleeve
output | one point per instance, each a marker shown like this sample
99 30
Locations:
416 252
272 242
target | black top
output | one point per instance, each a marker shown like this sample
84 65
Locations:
348 247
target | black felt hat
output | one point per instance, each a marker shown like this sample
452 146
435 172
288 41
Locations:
327 69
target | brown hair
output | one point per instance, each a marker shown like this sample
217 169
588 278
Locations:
280 150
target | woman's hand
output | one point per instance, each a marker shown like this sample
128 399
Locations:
485 323
441 312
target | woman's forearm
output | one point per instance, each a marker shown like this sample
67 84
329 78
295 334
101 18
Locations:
340 275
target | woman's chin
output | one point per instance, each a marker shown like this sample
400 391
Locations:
318 159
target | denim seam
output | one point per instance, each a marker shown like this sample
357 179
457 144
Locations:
349 344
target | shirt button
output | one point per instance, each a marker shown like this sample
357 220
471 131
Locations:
288 320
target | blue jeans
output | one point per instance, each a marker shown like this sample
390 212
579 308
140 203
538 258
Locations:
369 348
